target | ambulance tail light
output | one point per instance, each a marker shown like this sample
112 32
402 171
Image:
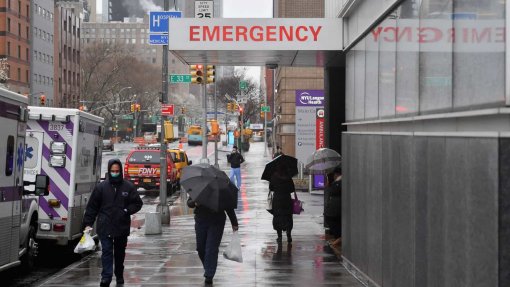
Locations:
55 203
59 227
126 168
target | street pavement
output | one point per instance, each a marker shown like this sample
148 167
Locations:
170 259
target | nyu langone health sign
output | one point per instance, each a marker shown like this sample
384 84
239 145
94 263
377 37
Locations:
255 34
309 98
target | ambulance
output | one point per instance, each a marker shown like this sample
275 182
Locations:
66 145
19 214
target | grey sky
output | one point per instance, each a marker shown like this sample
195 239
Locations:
247 8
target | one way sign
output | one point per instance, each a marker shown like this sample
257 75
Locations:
159 20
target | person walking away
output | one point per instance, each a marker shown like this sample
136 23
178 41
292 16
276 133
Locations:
278 152
112 202
333 207
209 227
282 186
235 159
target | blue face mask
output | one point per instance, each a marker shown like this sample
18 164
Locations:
116 174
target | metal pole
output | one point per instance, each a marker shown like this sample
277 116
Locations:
135 121
265 126
242 125
204 158
163 208
116 129
216 119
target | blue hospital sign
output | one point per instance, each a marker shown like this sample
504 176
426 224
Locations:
159 20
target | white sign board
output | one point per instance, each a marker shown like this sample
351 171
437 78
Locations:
204 9
309 123
257 126
231 34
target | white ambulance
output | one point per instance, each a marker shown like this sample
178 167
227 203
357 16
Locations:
64 144
18 207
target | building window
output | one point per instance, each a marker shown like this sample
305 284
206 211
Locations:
19 29
19 8
28 33
19 74
8 48
9 4
65 25
28 11
19 52
8 24
28 54
26 76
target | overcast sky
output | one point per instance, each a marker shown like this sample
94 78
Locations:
247 9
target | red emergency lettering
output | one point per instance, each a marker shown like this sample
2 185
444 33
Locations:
192 32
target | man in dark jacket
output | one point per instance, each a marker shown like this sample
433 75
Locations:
209 226
112 202
235 159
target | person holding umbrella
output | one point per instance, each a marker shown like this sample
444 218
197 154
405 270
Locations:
212 195
279 173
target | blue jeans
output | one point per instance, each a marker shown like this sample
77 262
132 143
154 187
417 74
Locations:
113 247
209 231
237 173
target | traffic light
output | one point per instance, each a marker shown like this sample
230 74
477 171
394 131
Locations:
229 106
169 130
215 127
132 107
42 100
197 74
138 107
262 114
210 74
82 108
240 109
183 110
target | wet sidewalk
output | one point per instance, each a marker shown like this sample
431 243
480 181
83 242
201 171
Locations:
170 259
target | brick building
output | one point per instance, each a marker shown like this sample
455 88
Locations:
15 44
289 79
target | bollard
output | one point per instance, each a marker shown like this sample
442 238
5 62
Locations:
301 168
152 223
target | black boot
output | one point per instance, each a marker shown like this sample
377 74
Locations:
279 239
289 237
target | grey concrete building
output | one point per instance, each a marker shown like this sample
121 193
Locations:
42 59
426 187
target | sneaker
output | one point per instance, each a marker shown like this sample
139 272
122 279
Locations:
104 283
208 280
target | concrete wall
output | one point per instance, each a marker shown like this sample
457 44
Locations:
429 215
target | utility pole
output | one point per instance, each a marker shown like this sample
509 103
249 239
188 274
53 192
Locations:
163 208
241 113
216 119
265 125
204 158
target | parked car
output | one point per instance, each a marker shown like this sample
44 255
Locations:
181 161
142 168
108 145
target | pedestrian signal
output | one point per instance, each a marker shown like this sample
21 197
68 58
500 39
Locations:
42 100
197 74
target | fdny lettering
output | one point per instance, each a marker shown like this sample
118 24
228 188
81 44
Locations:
254 33
145 170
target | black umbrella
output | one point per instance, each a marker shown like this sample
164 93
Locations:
290 164
209 186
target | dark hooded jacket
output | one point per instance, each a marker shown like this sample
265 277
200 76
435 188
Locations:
112 202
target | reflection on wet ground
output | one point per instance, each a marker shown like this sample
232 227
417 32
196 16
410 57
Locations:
170 259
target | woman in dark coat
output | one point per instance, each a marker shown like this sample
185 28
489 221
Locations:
283 187
333 206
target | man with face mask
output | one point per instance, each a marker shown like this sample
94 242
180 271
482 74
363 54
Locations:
235 159
113 201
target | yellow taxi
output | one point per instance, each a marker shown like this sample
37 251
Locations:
180 159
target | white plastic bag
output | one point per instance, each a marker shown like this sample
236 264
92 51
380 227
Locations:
233 250
86 243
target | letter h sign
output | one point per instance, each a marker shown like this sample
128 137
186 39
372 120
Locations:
158 20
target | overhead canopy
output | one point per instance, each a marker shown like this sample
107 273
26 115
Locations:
257 42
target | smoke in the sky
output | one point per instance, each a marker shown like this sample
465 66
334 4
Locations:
138 8
149 5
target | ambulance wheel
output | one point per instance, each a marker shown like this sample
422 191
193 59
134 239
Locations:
28 259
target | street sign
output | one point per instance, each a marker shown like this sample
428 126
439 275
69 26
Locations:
243 85
185 78
242 100
266 109
158 39
204 9
256 126
167 110
159 20
127 117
